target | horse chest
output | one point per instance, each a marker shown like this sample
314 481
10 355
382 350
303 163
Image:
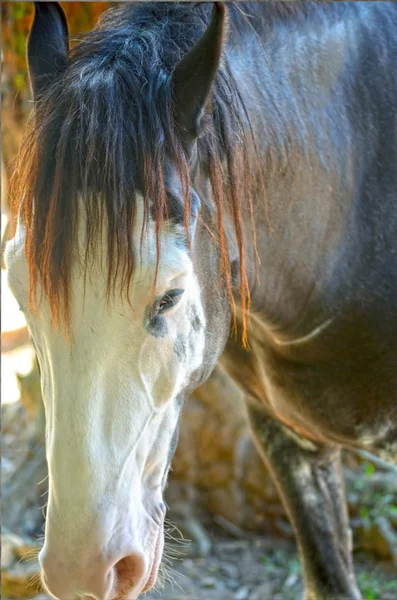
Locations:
339 385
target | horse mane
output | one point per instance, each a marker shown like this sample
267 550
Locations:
102 132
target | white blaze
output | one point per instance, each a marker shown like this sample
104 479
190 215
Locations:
110 395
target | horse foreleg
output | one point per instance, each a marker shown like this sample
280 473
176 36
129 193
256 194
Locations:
309 479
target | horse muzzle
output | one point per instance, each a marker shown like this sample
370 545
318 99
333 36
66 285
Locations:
114 568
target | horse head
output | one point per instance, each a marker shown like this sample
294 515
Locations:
115 383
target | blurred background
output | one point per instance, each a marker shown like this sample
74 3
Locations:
220 495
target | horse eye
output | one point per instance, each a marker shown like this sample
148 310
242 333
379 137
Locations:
169 300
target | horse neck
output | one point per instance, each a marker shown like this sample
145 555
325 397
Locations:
301 210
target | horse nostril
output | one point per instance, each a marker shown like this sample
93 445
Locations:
130 572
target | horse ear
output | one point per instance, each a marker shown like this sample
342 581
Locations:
194 75
48 45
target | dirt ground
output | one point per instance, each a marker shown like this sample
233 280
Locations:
255 569
262 570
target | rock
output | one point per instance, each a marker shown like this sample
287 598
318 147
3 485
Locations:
14 547
14 550
188 563
12 539
21 581
291 580
242 593
263 592
8 555
379 537
213 567
229 570
194 573
232 584
209 582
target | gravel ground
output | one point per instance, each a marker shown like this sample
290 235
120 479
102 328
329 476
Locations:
238 570
254 569
262 570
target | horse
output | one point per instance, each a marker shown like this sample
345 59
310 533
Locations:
202 183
